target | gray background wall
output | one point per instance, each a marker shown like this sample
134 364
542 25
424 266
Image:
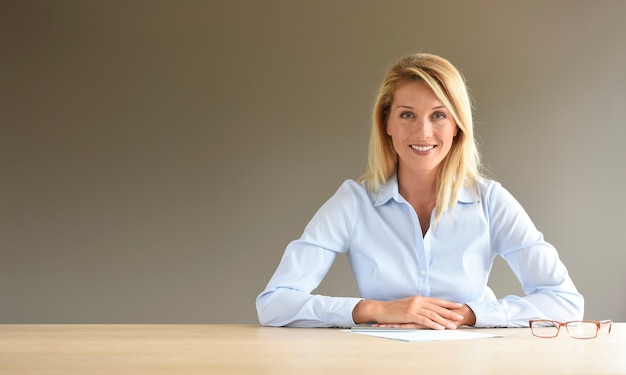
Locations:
157 156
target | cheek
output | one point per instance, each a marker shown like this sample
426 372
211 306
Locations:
452 132
396 129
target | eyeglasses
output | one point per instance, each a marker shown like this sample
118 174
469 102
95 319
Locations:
579 329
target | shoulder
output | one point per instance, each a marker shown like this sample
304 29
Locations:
353 186
480 191
488 187
349 194
489 194
343 208
351 197
359 191
353 190
495 192
497 200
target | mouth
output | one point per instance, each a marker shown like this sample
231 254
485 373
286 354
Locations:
422 148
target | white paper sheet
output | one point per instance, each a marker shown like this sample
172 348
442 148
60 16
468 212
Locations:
424 334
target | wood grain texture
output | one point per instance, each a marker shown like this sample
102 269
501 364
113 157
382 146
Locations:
251 349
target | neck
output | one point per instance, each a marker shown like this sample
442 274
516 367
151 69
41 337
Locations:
418 187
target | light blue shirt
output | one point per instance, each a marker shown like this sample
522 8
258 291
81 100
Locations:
390 259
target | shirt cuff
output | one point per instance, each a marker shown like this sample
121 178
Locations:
489 314
339 311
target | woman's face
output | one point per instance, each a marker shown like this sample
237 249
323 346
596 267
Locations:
420 127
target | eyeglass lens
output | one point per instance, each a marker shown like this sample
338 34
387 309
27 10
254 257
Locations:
580 330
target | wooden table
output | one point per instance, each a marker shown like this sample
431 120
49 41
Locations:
250 349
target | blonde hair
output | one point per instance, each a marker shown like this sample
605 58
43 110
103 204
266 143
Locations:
461 166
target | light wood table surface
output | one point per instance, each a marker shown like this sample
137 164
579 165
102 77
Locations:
251 349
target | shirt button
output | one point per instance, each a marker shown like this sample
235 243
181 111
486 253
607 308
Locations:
423 272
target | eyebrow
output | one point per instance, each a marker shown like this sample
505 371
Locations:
409 107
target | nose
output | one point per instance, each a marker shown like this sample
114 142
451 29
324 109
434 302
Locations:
422 128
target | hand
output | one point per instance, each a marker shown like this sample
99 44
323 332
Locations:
416 312
469 318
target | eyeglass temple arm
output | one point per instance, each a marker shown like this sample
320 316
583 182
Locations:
602 323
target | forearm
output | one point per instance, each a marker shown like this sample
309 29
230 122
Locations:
288 307
417 311
515 311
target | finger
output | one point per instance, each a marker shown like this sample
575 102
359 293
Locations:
441 318
449 313
429 319
439 321
444 303
402 326
446 309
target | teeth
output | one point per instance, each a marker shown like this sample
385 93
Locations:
422 148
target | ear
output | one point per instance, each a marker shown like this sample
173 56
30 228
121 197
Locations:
384 121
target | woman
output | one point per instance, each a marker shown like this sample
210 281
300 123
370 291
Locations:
422 227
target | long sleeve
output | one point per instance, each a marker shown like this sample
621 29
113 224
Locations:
550 292
287 299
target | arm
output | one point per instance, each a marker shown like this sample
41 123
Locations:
550 292
416 311
287 299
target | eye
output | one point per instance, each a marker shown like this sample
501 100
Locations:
406 115
439 115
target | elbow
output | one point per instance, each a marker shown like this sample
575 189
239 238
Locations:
261 312
262 316
266 315
266 320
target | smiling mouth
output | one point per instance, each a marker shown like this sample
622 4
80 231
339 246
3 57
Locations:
422 148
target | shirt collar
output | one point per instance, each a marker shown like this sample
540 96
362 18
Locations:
467 195
390 190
